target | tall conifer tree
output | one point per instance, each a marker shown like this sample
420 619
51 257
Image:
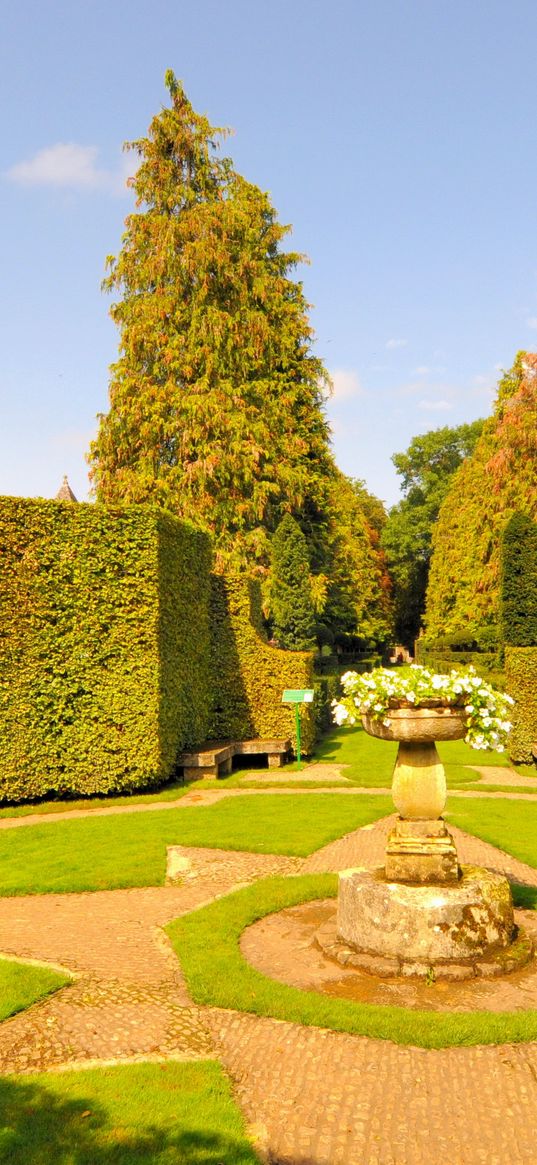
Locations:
216 400
292 604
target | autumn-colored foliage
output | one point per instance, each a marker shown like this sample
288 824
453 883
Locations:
217 398
216 401
497 480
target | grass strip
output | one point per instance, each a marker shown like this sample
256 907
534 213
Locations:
105 853
142 1114
508 825
207 943
22 984
503 790
170 792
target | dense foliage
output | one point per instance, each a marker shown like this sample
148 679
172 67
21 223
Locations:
497 480
426 470
249 675
519 582
521 680
293 620
104 646
119 649
358 586
217 399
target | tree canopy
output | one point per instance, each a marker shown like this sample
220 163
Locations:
216 400
426 470
497 480
217 397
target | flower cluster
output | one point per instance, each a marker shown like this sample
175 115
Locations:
487 711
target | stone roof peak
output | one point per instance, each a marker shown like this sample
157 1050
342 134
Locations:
65 493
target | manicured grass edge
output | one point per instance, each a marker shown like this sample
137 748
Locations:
207 943
23 984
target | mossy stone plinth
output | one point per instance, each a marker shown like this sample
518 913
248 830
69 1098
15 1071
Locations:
421 851
421 924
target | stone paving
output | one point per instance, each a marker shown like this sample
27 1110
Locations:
311 1097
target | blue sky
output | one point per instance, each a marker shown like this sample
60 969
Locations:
398 137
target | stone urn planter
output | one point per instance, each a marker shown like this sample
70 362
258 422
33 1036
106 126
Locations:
420 849
422 914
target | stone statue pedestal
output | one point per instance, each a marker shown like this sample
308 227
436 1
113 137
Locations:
422 914
457 931
421 851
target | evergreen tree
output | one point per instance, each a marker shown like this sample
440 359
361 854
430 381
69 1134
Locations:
216 400
291 597
426 470
519 582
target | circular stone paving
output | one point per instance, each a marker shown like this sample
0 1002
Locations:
283 947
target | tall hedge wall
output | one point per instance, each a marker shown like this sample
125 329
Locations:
104 646
519 582
521 682
249 675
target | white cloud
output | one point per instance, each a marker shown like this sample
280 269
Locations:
532 322
396 343
69 166
345 384
441 405
429 370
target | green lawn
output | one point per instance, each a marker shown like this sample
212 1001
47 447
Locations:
207 942
142 1114
171 792
22 984
510 825
101 853
371 761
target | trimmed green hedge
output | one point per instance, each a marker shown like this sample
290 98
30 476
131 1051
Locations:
327 688
521 681
519 582
104 646
439 656
249 675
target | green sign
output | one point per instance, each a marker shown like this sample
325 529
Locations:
298 696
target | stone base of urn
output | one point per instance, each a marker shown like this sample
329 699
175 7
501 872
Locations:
420 851
456 930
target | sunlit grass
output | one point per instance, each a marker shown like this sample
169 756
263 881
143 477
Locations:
141 1114
102 853
22 984
509 825
207 942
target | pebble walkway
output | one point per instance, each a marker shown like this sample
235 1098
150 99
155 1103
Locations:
311 1097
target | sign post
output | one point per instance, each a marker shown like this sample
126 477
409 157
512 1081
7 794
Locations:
298 696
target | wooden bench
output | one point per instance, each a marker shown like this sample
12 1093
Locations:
215 759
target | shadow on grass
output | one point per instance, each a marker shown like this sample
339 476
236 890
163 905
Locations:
36 1127
524 896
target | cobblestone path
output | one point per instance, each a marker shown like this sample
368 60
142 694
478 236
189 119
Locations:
129 998
312 1097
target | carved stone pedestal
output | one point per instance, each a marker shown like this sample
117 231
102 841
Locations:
422 852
